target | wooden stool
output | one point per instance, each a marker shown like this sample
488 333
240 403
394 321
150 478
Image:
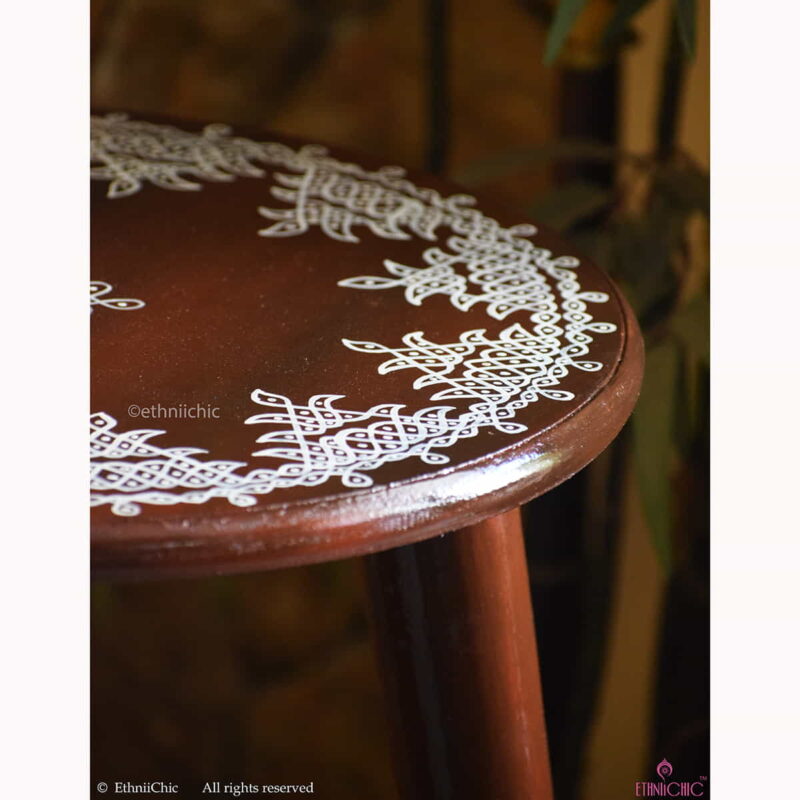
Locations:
299 358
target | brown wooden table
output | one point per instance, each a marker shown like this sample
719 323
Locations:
298 358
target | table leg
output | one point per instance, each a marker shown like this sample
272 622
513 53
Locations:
457 648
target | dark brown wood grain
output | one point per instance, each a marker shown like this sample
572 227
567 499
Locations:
228 311
457 649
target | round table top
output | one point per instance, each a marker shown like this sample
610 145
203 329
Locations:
297 357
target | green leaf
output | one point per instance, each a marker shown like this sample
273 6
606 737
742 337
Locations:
566 14
568 204
686 188
691 326
641 258
653 438
686 11
685 403
625 11
596 243
691 406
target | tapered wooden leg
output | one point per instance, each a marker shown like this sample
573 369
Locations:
457 647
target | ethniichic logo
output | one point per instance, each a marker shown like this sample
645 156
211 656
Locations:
668 788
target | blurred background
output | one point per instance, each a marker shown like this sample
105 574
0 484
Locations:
591 116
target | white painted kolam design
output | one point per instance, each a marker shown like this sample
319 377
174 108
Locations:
481 263
97 297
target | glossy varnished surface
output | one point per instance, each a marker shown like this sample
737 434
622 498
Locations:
457 648
228 312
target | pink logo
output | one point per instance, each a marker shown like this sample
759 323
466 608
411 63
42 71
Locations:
667 788
664 769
